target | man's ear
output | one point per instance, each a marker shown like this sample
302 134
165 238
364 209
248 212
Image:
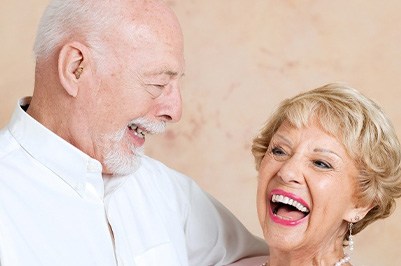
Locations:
72 60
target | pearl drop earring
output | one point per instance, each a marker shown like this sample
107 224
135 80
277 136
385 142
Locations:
350 238
347 257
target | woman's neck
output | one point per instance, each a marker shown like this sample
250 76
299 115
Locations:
307 257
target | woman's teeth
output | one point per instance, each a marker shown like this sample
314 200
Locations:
289 201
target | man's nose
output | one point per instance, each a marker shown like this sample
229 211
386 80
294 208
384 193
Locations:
170 105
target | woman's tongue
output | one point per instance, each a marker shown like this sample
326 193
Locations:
289 213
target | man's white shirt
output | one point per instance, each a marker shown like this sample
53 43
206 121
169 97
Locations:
56 208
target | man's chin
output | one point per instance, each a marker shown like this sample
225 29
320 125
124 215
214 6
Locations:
121 170
119 165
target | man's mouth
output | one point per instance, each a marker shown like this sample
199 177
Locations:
140 127
286 209
138 131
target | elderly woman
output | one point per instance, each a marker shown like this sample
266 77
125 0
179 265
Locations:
329 165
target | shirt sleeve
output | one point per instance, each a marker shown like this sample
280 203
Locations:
214 236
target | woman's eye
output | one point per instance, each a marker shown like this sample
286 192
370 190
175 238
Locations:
322 164
278 151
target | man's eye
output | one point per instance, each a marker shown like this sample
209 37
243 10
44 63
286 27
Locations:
322 164
159 86
155 90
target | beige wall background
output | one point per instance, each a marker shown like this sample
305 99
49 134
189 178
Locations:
243 58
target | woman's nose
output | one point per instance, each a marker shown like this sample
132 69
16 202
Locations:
291 171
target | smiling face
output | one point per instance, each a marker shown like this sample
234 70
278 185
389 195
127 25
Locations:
305 190
137 86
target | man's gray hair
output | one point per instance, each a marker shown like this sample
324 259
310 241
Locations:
87 21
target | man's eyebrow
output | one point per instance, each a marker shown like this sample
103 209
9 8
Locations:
164 72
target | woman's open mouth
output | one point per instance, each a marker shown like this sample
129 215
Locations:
286 208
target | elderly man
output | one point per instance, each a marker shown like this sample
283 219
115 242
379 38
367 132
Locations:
75 187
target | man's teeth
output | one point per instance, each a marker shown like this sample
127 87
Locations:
289 201
137 131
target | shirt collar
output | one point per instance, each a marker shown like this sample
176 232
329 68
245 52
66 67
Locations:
76 168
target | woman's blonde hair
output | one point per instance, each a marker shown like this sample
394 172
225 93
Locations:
364 130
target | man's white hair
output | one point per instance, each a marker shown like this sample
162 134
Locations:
87 21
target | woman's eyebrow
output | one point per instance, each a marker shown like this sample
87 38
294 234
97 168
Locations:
283 138
327 151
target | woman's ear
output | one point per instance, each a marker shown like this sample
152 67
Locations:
72 60
357 213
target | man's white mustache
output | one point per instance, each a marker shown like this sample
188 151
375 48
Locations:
152 127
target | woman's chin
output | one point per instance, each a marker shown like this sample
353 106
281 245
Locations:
284 237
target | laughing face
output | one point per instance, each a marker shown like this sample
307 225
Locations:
136 87
305 190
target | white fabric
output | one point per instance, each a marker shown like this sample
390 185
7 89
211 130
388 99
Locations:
56 209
